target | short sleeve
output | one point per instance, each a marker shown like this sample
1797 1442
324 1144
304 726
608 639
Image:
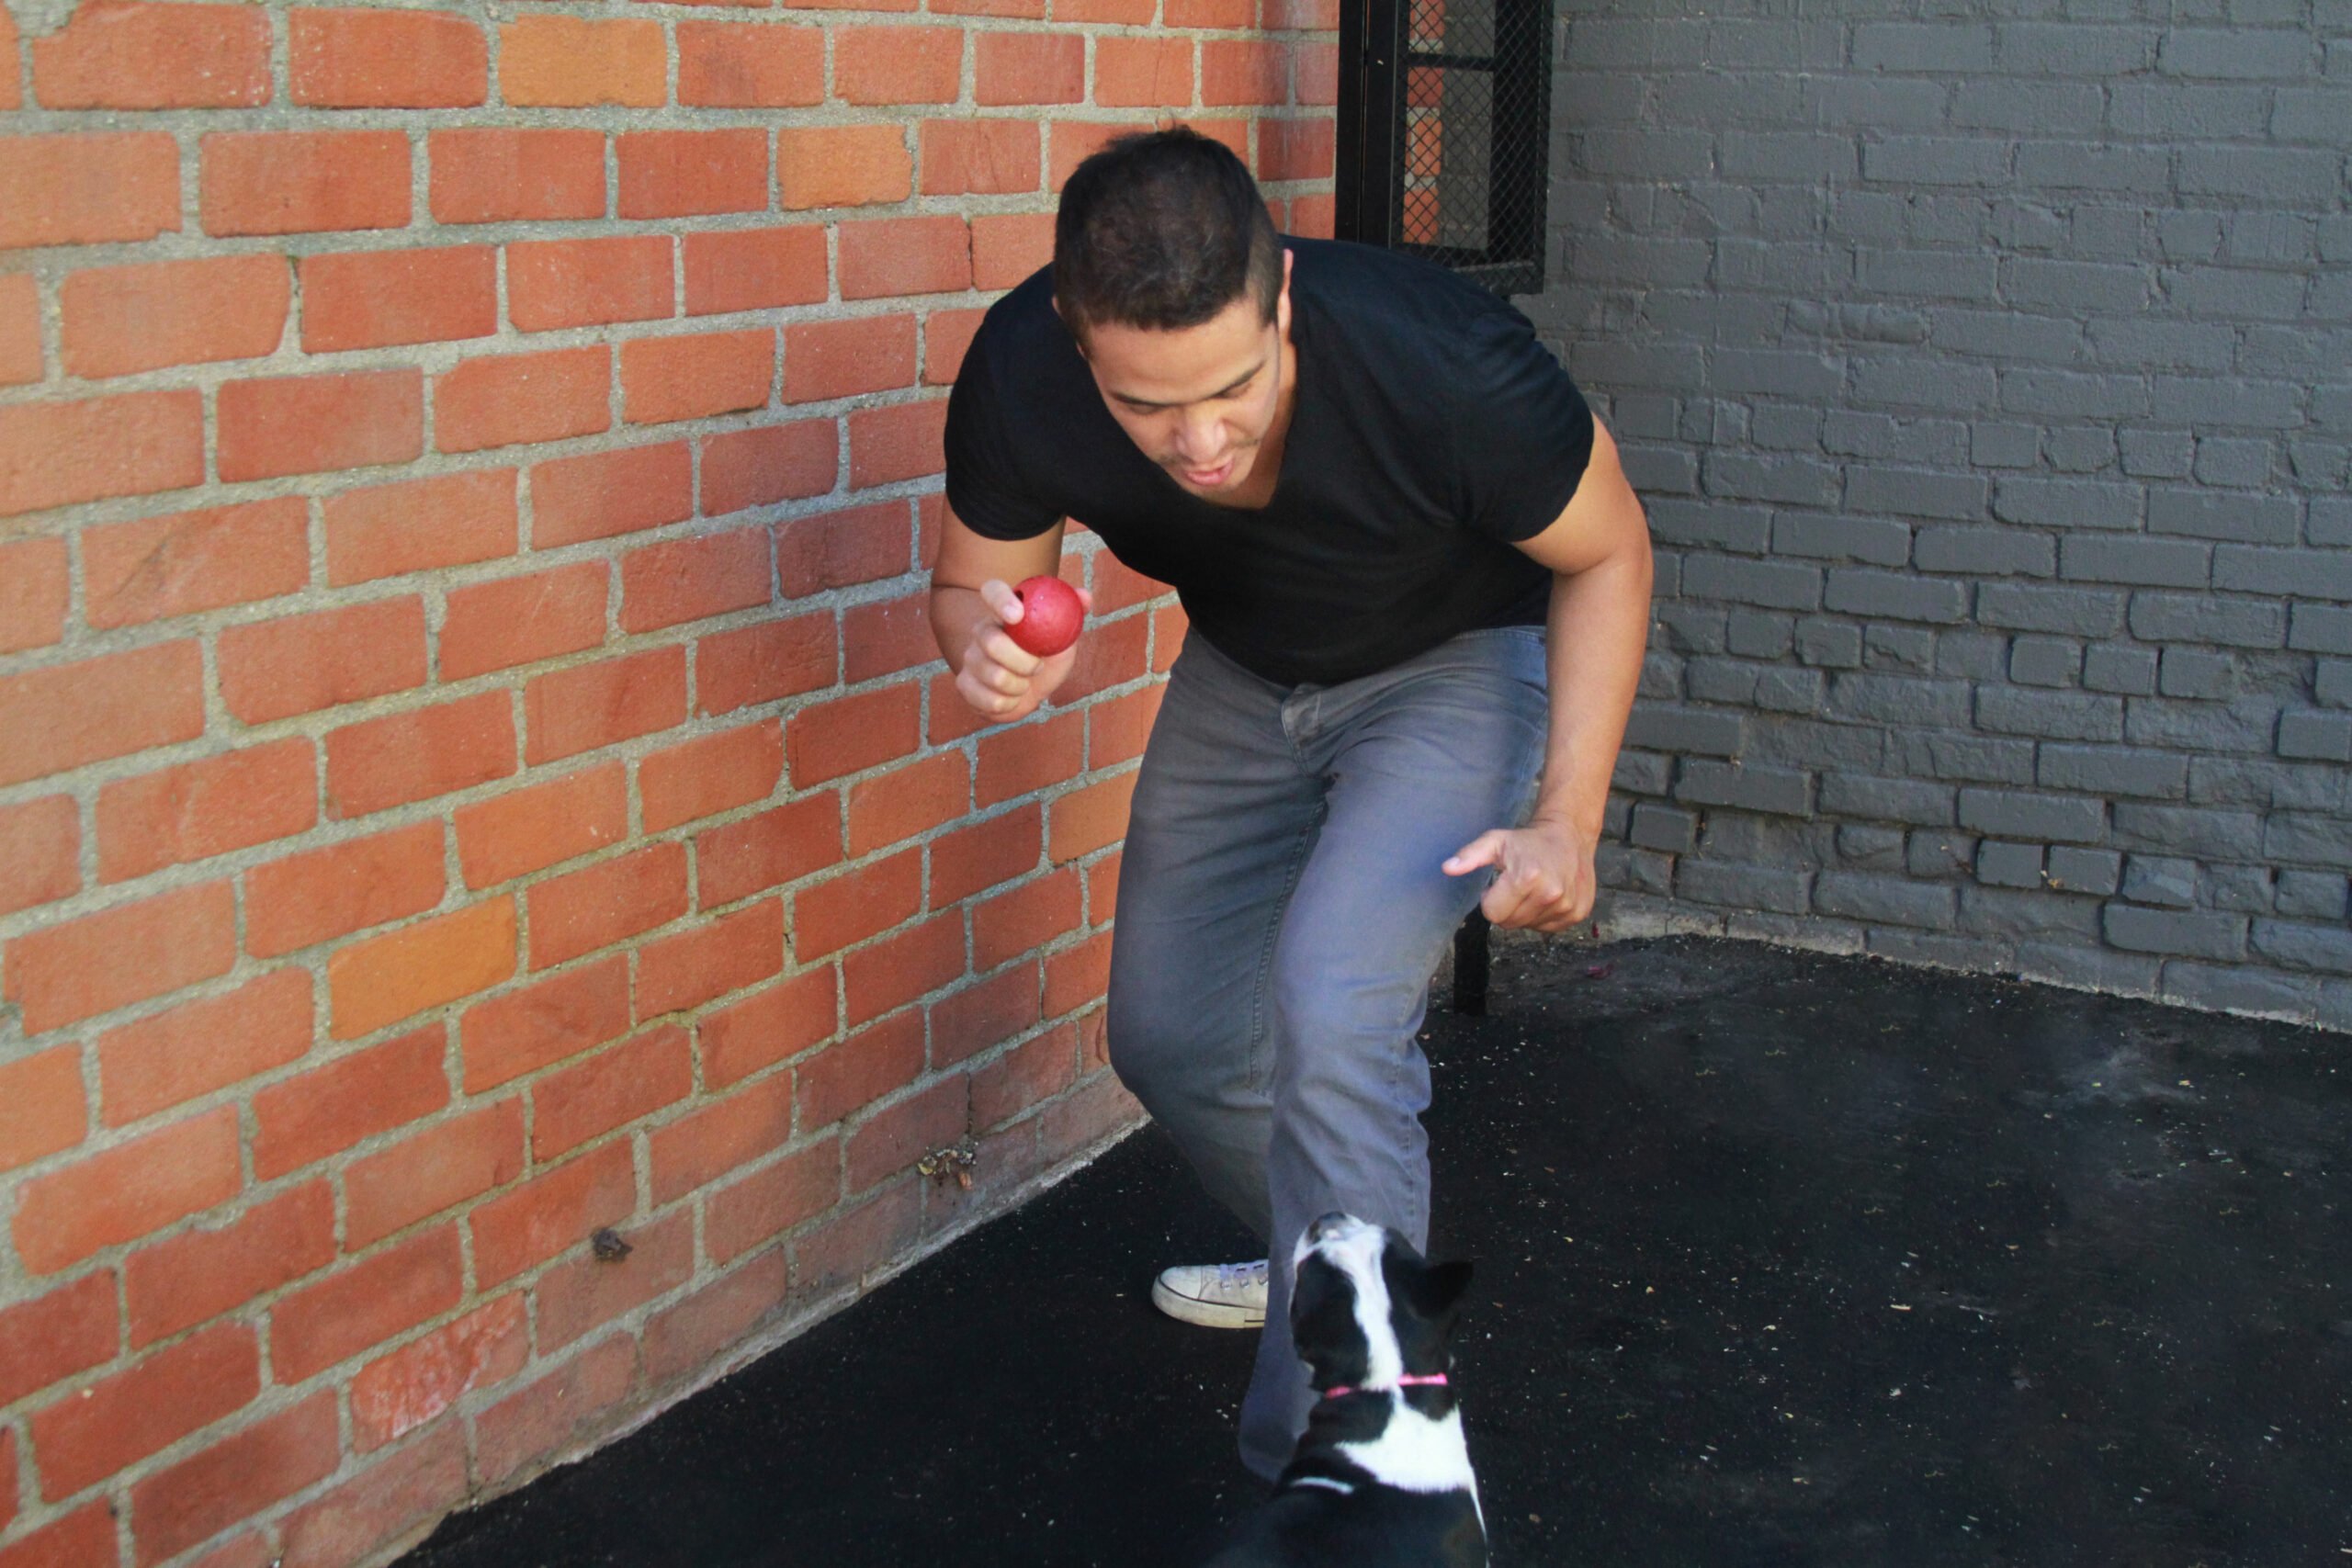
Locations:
1522 431
983 474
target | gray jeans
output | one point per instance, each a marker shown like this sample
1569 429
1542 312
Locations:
1280 910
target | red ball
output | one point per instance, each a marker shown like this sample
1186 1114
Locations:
1050 615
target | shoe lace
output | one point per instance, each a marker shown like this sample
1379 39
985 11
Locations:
1230 1276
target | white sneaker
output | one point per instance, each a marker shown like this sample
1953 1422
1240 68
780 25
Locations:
1213 1295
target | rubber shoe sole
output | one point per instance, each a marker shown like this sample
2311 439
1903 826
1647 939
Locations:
1203 1315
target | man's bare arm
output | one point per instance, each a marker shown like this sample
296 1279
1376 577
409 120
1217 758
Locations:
971 603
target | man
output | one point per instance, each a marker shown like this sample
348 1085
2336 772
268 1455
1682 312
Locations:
1381 501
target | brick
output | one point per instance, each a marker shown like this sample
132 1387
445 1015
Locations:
1022 68
19 330
298 182
669 378
136 444
304 1118
995 157
996 850
823 360
764 661
190 562
772 1200
81 967
197 1275
577 1298
603 494
234 1479
887 636
851 1246
46 1338
887 256
522 620
552 284
2138 930
768 850
896 970
754 269
1294 149
609 1090
84 1538
547 1022
905 440
541 825
686 580
62 189
395 1395
379 763
1027 918
841 166
122 1419
673 174
757 66
308 424
897 65
1089 819
864 1067
1078 976
272 670
710 774
765 1028
384 979
189 813
421 525
841 550
584 910
505 400
199 1046
154 57
375 298
118 321
757 468
35 587
855 905
481 174
41 1106
570 63
894 1139
40 853
826 740
552 1213
545 1418
1143 73
684 1338
1008 247
130 1191
990 1011
721 1136
1034 1071
570 711
946 337
413 1487
892 806
366 59
433 1171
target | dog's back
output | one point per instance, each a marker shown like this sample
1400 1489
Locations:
1381 1478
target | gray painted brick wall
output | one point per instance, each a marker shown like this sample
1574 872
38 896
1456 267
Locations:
1989 380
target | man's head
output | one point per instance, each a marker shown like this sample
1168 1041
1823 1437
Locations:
1169 276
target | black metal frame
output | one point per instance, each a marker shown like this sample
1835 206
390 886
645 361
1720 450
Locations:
1375 58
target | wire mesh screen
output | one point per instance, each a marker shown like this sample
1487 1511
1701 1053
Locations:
1470 139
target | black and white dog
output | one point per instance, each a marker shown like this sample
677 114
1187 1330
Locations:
1380 1479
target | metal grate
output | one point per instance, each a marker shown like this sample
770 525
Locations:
1443 139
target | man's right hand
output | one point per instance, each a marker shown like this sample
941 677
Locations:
995 675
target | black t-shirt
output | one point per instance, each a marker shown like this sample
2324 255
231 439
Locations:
1431 429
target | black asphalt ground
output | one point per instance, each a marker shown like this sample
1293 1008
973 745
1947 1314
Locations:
1784 1259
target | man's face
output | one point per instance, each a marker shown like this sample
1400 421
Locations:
1197 401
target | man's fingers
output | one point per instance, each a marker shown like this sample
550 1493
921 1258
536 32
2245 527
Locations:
1484 849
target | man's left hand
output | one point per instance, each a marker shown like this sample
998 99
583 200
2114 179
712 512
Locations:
1543 879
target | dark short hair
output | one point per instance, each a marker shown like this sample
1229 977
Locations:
1162 229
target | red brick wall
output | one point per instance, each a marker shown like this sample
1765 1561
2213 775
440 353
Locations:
473 768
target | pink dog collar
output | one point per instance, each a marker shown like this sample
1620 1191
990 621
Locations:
1437 1378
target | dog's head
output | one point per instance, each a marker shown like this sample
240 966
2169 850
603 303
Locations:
1366 1309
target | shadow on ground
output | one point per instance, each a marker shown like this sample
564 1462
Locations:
1785 1259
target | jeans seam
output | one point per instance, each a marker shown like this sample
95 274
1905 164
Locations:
1259 1078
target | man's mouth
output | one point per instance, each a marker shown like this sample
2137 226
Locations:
1204 478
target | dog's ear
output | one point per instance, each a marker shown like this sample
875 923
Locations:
1437 1288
